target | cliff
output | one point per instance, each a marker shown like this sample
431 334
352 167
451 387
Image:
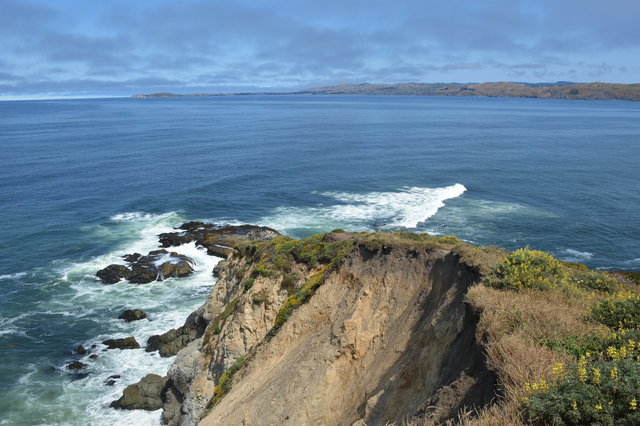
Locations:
398 328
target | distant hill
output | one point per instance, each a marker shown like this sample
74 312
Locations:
559 90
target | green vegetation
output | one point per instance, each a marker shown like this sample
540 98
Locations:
259 298
596 390
622 312
216 325
595 328
225 381
603 386
247 284
525 268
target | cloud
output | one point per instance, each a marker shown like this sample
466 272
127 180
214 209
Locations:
290 43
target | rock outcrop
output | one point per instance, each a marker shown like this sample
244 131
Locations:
218 240
169 343
124 343
132 315
157 265
144 395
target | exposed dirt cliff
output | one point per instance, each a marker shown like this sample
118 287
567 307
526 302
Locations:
340 331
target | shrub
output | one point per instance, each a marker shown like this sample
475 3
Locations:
618 314
261 269
602 390
449 239
247 284
215 327
225 381
289 282
259 298
593 280
525 268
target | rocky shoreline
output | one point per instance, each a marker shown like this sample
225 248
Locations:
158 265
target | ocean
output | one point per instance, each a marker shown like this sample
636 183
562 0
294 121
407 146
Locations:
83 182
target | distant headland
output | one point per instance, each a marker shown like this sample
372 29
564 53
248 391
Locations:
558 90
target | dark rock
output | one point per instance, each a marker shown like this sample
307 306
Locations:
80 350
130 258
93 356
172 239
143 274
76 365
219 251
132 315
144 395
126 343
169 343
158 265
94 346
113 274
111 380
218 268
192 226
218 240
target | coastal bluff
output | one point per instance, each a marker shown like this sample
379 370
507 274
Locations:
380 328
339 328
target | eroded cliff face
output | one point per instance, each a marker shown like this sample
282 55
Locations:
385 336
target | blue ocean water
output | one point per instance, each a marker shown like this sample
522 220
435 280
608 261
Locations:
83 182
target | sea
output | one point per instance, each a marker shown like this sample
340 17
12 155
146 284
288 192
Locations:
83 182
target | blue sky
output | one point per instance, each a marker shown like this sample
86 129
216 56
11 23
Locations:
117 48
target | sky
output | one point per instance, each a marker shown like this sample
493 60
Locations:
78 48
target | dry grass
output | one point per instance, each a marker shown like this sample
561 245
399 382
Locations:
513 326
485 258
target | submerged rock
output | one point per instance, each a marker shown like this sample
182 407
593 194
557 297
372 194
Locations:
132 315
80 350
144 395
76 365
111 380
126 343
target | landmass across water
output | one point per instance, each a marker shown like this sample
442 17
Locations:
558 90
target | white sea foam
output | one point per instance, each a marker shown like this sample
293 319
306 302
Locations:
13 276
571 255
141 217
405 208
167 304
11 326
632 262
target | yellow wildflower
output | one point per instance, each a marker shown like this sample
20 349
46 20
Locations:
558 369
613 373
598 406
582 370
574 405
596 375
633 405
